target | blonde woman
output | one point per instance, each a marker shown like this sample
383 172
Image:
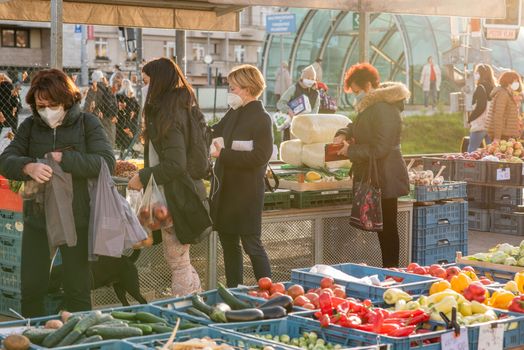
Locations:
238 191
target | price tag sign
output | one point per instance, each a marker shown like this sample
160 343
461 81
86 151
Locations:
503 174
491 337
452 342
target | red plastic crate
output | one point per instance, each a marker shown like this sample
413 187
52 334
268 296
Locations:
10 200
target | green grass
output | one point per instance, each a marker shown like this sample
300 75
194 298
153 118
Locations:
439 133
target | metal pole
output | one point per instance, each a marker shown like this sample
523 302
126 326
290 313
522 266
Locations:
180 42
363 37
215 99
208 51
56 34
84 70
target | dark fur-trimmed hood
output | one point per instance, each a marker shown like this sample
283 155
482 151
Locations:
390 92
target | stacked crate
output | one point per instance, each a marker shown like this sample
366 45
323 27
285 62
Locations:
440 222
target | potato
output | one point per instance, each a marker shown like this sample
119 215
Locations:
16 342
64 315
53 324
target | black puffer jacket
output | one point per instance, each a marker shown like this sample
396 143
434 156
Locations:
377 133
84 142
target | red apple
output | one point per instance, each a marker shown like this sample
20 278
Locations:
452 271
412 267
433 267
160 212
419 270
440 273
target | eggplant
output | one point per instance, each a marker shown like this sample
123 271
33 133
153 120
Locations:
272 312
222 307
284 300
245 315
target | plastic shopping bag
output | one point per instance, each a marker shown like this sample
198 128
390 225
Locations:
134 198
153 213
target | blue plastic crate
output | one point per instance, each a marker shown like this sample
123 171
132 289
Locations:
440 235
11 223
413 284
441 255
10 277
492 273
259 301
211 297
368 338
11 249
234 339
447 190
448 213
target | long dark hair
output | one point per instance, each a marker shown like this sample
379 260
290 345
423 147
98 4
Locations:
168 92
486 76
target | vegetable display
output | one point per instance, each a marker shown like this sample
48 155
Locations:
308 340
446 273
504 254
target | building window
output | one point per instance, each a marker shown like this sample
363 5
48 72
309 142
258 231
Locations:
15 38
240 53
101 48
198 52
169 49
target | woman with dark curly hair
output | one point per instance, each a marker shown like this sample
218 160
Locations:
375 134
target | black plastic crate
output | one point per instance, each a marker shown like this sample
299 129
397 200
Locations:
479 219
507 223
470 170
478 196
435 164
505 198
311 199
502 173
280 199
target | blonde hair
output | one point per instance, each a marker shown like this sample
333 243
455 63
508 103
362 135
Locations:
248 77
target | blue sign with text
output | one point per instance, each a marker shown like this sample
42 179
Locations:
281 23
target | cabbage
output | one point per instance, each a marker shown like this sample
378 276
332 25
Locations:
522 245
510 261
521 262
480 257
505 248
515 252
498 257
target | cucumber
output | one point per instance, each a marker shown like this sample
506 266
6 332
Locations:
80 340
147 317
161 328
146 329
37 335
197 313
119 332
199 304
54 338
188 325
69 339
105 318
231 300
246 315
93 330
91 339
90 320
124 315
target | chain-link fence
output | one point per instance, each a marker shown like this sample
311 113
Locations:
114 97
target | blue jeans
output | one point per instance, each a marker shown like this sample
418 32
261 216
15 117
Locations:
475 140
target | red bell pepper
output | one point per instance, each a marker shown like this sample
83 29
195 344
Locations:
407 313
399 321
317 315
365 327
325 321
378 322
343 308
326 307
517 304
402 332
336 301
421 318
351 322
388 328
475 291
367 303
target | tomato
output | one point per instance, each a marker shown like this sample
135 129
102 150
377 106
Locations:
328 291
434 267
313 297
309 306
277 287
160 212
419 270
252 293
339 292
263 294
276 294
327 282
301 300
295 291
265 283
440 273
412 267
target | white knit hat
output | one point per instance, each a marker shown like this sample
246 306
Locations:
97 76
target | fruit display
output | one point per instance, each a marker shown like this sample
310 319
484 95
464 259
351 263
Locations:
503 253
313 175
125 169
510 151
446 273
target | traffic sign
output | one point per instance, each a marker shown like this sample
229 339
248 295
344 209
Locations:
78 28
281 23
356 20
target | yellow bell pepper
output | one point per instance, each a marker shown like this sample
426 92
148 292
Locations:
465 309
478 308
460 282
519 279
511 286
437 297
446 304
392 295
439 286
471 275
501 299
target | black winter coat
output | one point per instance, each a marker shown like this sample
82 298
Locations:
377 133
185 197
238 190
84 144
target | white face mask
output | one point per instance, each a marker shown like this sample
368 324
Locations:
308 83
52 116
234 100
515 86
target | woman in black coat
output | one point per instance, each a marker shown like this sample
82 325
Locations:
237 198
77 141
128 111
9 104
376 133
170 111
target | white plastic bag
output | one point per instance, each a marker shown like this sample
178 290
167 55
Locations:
291 152
153 213
317 128
339 275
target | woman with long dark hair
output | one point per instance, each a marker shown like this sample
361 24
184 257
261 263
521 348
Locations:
170 105
481 99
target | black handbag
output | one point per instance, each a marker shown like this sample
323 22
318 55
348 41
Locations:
274 176
366 212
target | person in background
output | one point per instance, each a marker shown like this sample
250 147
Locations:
102 103
116 72
375 134
317 65
282 80
169 104
116 82
306 85
238 190
77 141
9 103
128 112
503 120
430 79
481 97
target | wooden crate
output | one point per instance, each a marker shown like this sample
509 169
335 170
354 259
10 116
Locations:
314 186
497 272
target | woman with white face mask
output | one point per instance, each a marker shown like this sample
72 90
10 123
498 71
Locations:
503 118
77 141
237 192
306 86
